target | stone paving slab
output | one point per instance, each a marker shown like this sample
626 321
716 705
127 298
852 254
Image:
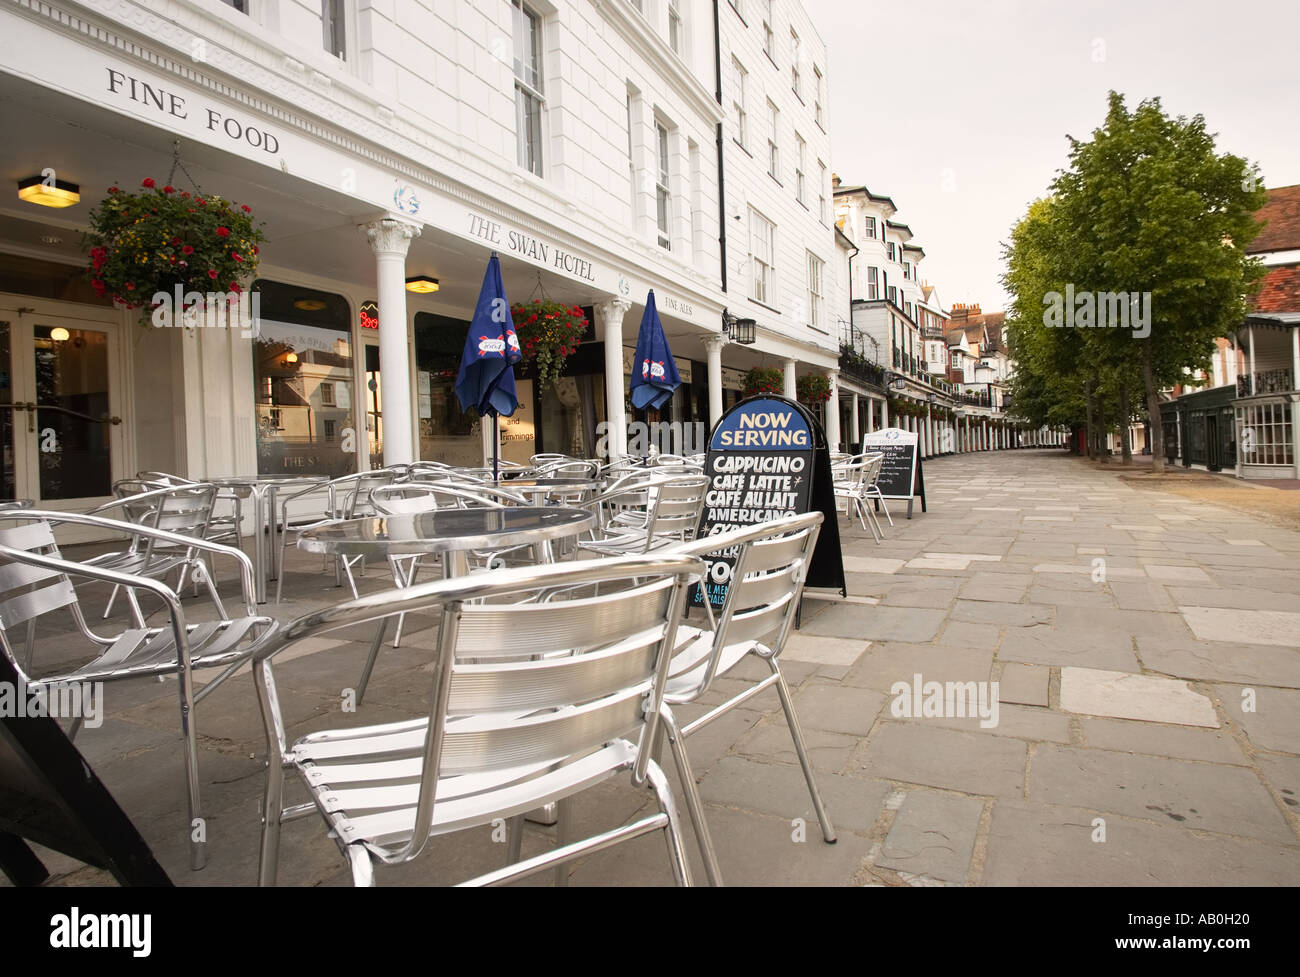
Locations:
1024 684
971 762
933 835
1211 797
1124 695
1134 852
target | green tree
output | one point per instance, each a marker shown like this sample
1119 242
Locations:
1147 207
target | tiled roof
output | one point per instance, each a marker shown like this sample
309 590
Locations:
1280 291
1282 230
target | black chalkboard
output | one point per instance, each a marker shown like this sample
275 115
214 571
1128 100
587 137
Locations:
768 458
49 794
900 474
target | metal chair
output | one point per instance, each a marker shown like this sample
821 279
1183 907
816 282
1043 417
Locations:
851 481
35 580
766 584
346 497
672 514
872 489
530 704
185 510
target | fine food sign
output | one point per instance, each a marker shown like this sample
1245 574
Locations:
900 473
763 456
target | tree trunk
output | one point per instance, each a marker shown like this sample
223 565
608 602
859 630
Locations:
1154 419
1103 451
1088 426
1125 419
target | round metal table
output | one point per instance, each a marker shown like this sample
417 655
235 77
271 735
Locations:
262 489
540 488
451 532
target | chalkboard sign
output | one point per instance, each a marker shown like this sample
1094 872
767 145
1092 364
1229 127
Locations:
767 458
49 795
901 476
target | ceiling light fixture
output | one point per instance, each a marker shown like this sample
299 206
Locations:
48 193
309 305
59 334
422 285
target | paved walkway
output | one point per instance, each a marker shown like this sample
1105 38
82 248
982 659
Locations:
1146 730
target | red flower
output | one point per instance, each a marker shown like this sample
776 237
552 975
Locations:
175 241
114 190
245 208
200 201
234 286
130 286
185 195
254 249
169 189
532 318
187 250
236 256
98 285
212 274
222 231
147 183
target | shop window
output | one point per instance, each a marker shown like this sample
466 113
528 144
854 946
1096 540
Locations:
303 375
447 433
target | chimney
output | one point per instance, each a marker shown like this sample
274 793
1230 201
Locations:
835 181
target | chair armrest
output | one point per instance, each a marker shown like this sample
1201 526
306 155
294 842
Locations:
155 587
194 542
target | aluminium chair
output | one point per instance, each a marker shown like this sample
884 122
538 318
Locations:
528 704
35 580
756 618
672 513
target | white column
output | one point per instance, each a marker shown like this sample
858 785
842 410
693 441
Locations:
390 240
871 414
855 425
790 380
884 414
832 410
713 347
610 316
929 431
1295 404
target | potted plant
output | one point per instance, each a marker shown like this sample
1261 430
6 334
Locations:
151 241
549 332
813 388
764 380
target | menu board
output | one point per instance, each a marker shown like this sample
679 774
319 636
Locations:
900 473
767 458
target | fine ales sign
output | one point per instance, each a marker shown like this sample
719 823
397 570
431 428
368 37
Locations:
767 459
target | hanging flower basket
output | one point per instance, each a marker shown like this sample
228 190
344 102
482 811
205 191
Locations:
813 388
764 380
549 332
157 238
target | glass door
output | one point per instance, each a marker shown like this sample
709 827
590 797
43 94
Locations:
60 431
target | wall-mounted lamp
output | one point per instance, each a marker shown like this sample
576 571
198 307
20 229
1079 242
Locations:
898 383
422 284
48 193
738 330
291 357
59 334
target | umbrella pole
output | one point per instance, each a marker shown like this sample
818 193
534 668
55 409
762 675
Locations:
496 445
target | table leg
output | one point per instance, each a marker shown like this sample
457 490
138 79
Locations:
257 498
370 659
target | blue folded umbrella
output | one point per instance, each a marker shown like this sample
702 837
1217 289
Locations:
654 372
486 380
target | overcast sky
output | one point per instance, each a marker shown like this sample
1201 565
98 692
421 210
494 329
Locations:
983 93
